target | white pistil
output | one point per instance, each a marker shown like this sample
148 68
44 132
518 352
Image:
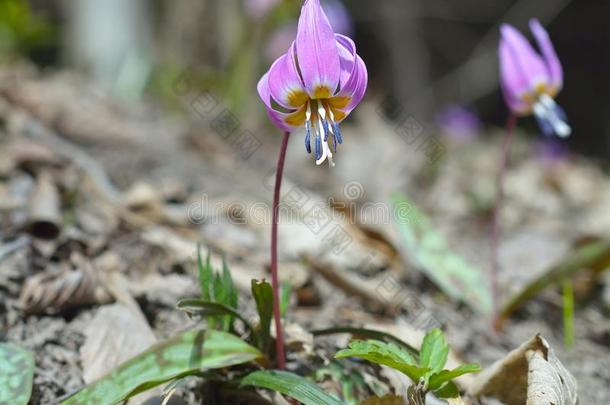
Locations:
326 153
546 109
308 112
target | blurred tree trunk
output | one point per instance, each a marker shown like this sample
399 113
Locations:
108 38
188 32
407 68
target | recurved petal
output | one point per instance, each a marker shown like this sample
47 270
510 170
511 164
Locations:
278 118
355 87
548 51
347 57
285 84
522 58
317 52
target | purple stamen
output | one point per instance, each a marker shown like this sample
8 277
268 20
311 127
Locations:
337 133
318 147
308 136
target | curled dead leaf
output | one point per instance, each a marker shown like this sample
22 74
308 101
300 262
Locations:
56 290
530 374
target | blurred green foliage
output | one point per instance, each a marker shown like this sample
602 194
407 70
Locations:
22 31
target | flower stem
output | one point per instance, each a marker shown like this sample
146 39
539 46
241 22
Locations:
279 334
495 224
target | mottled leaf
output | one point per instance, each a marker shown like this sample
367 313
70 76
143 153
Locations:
430 252
16 374
183 355
291 385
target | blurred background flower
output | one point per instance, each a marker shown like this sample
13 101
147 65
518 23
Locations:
458 123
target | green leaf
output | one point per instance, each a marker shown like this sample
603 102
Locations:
370 334
186 354
232 298
438 379
221 296
291 385
285 291
263 296
210 309
431 254
16 374
387 354
434 351
449 390
205 275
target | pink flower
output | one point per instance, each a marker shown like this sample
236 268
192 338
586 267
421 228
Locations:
316 84
530 80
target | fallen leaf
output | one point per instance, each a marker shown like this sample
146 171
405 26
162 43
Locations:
56 290
530 374
114 335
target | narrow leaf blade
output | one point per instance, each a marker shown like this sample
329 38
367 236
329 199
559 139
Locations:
263 296
291 385
210 309
205 275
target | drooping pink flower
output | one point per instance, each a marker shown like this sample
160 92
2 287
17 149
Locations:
316 84
530 80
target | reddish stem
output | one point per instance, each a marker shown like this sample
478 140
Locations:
495 224
279 334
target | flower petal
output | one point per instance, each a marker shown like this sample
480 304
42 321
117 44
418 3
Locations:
550 56
285 83
278 118
354 77
523 60
515 85
317 53
347 56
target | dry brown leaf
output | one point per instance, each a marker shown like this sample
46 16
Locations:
56 290
548 380
113 336
44 209
530 374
